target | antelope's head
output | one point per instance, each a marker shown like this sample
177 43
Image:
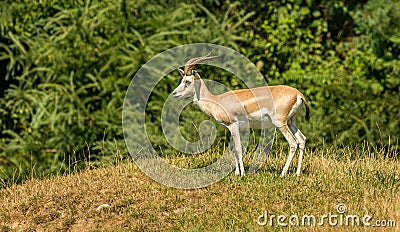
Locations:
190 78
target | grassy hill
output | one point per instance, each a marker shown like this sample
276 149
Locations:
365 180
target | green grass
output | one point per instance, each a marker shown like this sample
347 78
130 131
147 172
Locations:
366 180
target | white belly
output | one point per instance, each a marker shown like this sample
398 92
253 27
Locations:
258 120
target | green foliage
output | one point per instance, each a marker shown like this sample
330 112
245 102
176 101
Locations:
353 86
70 63
65 67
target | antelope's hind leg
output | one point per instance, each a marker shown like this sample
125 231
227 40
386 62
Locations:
292 146
302 143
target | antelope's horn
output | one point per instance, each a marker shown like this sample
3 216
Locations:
190 64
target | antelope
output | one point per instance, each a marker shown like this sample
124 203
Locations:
259 108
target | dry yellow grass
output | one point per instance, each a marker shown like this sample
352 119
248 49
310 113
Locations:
367 182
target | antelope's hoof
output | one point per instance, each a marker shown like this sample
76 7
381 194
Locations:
237 172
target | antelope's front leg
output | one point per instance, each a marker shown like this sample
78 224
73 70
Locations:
237 150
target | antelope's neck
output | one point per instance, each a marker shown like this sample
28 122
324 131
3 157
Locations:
210 105
201 92
203 98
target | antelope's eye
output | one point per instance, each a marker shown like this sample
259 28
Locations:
187 83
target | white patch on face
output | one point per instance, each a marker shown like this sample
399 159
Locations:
185 88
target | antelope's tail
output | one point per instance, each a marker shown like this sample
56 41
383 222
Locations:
307 109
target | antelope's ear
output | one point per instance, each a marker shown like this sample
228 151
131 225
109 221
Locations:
181 72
